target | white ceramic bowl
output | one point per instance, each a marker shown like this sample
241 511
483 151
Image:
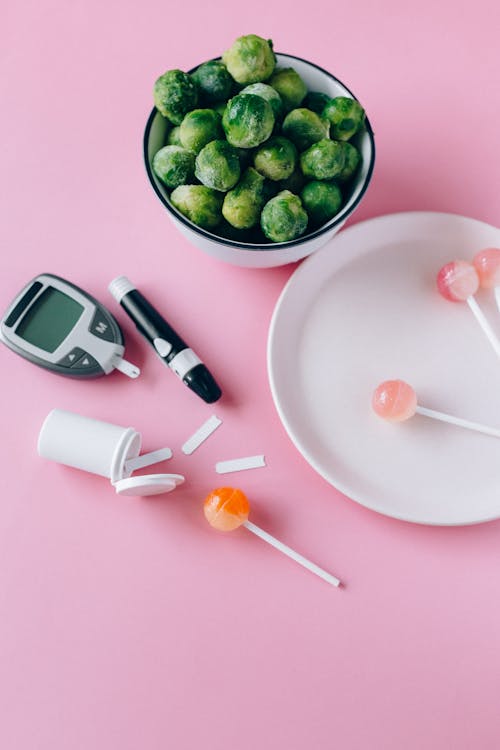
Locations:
265 255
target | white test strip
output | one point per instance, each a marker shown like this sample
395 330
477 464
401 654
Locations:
201 434
148 459
127 368
240 464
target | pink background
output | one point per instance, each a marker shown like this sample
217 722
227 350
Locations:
129 623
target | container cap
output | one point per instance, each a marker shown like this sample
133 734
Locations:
147 484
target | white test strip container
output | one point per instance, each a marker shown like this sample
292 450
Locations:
88 444
105 449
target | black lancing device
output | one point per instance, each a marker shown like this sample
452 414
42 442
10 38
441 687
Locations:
169 346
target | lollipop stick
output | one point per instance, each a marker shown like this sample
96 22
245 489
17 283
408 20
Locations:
481 319
457 421
291 553
497 296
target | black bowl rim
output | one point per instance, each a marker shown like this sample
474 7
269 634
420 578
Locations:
339 218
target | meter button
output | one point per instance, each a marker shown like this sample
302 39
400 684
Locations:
101 327
72 358
87 362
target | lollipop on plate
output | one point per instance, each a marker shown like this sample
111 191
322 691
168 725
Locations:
458 281
396 401
487 264
227 508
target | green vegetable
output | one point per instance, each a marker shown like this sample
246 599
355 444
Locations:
242 204
283 217
346 117
248 120
217 166
289 86
199 127
316 101
175 94
242 127
174 138
245 156
304 127
323 160
276 158
226 230
174 165
294 183
352 159
322 200
213 80
219 107
269 94
250 59
200 204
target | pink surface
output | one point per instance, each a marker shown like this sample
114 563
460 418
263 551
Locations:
129 623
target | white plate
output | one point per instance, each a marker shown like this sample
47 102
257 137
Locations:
364 309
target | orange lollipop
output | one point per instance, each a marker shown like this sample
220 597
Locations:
227 508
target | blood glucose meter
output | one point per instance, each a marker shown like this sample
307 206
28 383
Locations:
57 325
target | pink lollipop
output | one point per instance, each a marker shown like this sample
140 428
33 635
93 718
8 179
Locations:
458 281
396 401
487 265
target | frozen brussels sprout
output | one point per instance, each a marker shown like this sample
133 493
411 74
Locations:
199 127
199 203
269 94
242 204
226 230
175 94
316 101
346 117
321 200
174 165
250 59
219 107
245 157
271 188
294 183
323 160
289 86
174 138
276 159
213 80
217 166
352 160
248 120
304 127
283 217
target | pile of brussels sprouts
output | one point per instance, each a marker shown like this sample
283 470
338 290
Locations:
250 151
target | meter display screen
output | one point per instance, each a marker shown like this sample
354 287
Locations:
49 320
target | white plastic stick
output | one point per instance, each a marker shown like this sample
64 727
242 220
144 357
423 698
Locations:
497 296
458 422
239 464
483 322
291 553
148 459
201 435
127 368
